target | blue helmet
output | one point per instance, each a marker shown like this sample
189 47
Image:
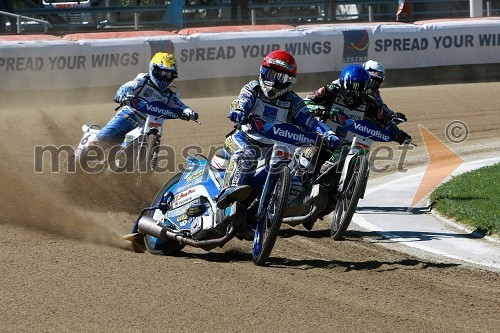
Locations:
354 81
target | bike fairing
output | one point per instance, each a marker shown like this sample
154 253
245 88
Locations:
200 184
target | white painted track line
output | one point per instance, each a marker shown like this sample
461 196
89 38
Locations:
384 210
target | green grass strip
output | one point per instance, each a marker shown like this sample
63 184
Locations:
472 198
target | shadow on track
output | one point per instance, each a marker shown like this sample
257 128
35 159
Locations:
240 255
348 266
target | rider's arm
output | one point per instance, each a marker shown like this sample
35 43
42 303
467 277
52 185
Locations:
175 103
400 136
246 99
302 117
130 88
384 106
321 99
375 112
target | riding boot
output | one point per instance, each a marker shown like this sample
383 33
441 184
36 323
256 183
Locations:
232 194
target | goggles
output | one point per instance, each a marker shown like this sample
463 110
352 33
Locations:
354 97
278 78
376 78
375 84
164 74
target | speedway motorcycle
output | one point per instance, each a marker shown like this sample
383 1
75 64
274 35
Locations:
185 211
333 181
139 149
353 165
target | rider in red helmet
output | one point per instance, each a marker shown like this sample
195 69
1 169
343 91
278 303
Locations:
270 98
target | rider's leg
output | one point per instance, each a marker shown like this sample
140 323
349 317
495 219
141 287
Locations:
115 130
241 167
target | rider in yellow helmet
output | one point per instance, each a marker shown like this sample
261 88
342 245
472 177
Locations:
151 86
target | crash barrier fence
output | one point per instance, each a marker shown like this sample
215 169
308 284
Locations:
64 18
220 54
20 18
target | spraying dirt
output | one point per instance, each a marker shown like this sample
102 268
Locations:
64 267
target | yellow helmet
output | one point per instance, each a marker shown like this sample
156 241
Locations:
162 70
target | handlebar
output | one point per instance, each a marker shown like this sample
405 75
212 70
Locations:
409 142
155 108
188 119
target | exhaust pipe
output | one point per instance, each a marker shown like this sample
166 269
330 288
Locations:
296 220
149 226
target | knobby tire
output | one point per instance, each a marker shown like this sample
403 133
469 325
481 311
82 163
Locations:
273 221
348 201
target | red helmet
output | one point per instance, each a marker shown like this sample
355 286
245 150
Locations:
281 61
277 73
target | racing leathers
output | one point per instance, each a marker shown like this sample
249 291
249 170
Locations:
328 98
128 118
245 148
397 115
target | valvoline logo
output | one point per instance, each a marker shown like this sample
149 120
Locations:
259 125
155 108
341 120
371 132
262 126
136 104
356 43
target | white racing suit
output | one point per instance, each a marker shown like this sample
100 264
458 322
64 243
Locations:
128 118
245 148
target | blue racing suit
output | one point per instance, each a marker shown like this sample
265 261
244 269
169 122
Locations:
128 118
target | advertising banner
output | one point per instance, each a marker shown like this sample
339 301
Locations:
66 64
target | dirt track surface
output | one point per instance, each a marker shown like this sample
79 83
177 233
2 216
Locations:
65 267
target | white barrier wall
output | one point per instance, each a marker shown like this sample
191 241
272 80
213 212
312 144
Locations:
66 64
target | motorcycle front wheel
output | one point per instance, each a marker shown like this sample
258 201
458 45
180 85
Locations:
348 201
153 244
268 227
144 157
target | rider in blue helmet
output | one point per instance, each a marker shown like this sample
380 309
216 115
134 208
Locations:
354 82
350 94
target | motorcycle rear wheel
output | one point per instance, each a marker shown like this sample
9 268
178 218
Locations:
348 201
267 229
153 244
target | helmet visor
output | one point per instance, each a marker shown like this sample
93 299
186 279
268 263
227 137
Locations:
354 98
376 79
375 83
279 79
163 74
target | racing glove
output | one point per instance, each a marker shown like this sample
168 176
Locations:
189 114
122 99
400 116
237 116
331 140
402 138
